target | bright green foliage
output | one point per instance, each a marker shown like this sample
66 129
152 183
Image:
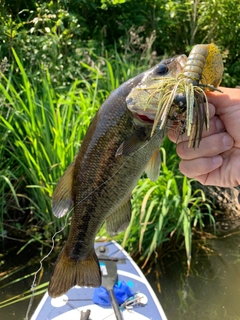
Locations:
220 20
64 58
41 132
106 3
55 32
165 209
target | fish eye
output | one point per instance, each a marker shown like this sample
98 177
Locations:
161 69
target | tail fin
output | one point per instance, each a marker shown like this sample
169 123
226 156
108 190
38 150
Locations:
68 273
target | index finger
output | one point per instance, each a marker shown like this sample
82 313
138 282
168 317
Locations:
229 97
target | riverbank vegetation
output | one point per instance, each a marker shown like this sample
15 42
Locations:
59 62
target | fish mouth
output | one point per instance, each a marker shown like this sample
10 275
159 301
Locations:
144 118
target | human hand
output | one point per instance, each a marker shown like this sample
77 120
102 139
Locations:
217 160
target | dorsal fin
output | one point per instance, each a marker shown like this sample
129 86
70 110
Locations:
62 197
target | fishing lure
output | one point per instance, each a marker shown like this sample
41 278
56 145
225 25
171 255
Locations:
202 72
184 96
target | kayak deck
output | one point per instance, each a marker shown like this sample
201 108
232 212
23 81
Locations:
144 305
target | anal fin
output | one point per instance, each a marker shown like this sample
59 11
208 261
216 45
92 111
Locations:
153 167
119 220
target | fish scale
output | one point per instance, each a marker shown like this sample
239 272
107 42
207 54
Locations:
115 152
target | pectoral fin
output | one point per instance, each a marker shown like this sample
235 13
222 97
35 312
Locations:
62 196
153 167
132 143
119 220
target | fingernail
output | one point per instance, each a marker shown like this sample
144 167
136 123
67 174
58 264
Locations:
217 161
227 140
219 125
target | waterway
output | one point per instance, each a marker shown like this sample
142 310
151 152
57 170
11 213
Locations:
212 290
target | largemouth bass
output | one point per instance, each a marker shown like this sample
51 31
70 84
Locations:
117 149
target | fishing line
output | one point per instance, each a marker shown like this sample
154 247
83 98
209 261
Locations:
33 286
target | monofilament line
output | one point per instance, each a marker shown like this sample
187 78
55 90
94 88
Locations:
33 286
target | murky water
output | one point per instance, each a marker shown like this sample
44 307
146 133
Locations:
211 292
23 264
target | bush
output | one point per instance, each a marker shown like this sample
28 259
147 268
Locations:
60 34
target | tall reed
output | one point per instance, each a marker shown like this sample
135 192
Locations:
42 125
164 209
41 132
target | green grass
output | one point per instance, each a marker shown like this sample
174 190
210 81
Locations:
42 132
166 209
